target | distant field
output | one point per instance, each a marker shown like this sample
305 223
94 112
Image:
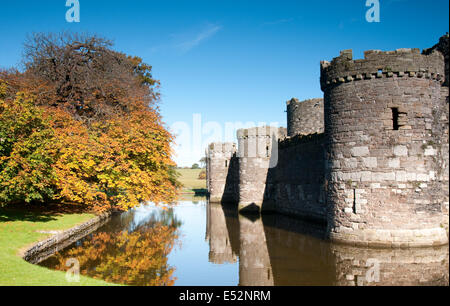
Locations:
190 181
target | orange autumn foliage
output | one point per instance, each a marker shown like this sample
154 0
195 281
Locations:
101 144
118 163
138 258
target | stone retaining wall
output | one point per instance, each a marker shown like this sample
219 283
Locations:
46 248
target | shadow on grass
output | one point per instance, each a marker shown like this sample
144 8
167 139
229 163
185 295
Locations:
38 213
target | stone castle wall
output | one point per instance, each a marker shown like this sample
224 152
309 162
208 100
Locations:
258 152
374 167
222 172
305 117
384 147
298 185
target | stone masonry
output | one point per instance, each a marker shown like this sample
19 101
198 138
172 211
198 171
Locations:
258 153
305 117
370 159
222 175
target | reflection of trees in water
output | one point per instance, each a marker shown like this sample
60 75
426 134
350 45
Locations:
132 258
166 217
147 218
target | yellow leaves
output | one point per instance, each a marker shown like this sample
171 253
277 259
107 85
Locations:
136 258
3 87
119 162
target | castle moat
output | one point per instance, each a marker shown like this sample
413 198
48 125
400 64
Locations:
201 243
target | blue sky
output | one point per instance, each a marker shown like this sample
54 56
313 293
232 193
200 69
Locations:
229 60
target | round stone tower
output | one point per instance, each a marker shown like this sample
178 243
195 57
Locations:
258 153
222 172
304 118
386 148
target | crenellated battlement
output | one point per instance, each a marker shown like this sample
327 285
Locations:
227 148
301 139
304 117
382 64
264 131
296 102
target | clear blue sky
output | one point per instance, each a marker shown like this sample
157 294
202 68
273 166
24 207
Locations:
231 60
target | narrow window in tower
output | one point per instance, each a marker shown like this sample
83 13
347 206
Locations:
267 151
354 201
226 164
395 114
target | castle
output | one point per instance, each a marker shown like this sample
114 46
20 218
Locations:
370 160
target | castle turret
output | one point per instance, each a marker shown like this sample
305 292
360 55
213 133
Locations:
222 172
386 148
258 152
305 117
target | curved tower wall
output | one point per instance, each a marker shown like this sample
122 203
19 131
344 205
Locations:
442 112
222 172
385 145
305 117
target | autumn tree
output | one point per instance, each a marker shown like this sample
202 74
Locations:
25 157
85 76
92 115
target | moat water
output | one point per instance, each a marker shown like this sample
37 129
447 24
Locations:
201 244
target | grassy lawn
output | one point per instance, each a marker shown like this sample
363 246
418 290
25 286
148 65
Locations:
190 181
18 229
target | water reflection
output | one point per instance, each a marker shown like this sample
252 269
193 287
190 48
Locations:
219 235
255 267
373 267
131 249
152 246
282 251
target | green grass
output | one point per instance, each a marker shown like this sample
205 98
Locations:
18 230
190 181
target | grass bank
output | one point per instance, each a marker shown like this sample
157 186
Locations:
191 183
19 229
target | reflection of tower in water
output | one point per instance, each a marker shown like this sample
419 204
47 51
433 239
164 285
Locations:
391 267
298 255
283 251
254 262
220 247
